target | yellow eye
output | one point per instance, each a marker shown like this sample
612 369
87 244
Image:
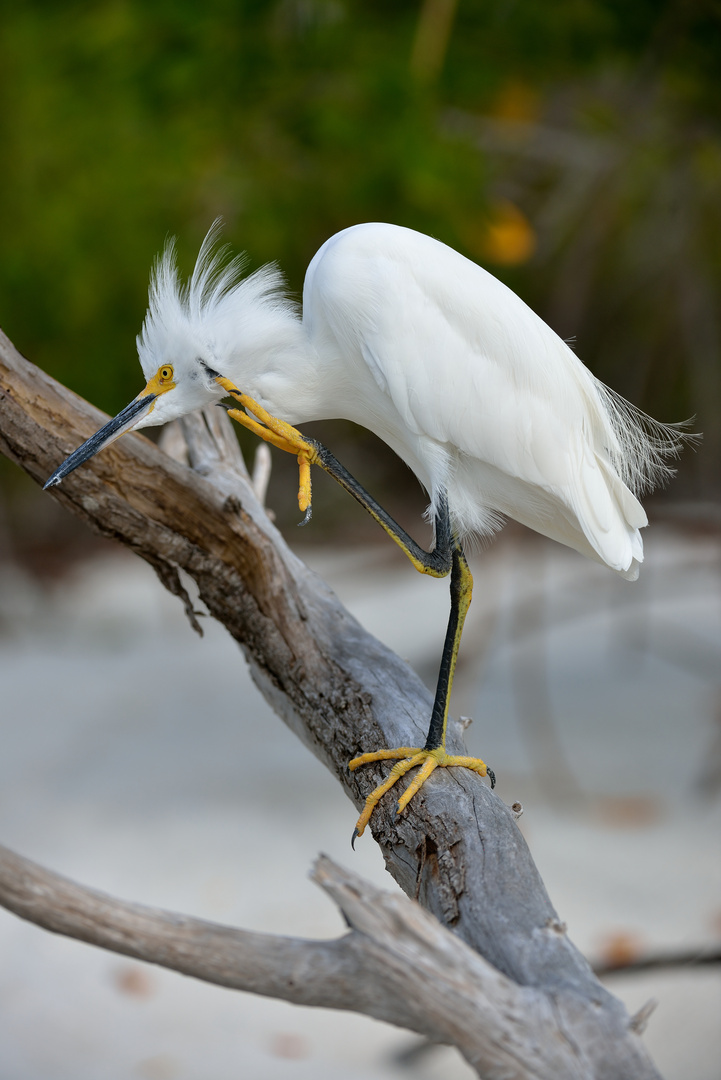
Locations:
165 373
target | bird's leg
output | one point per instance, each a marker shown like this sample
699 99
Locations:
437 562
461 593
446 557
277 432
433 754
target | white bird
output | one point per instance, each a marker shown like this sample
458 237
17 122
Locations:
492 411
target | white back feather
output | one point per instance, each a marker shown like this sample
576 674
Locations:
642 445
467 368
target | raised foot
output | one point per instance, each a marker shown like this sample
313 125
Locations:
278 433
410 756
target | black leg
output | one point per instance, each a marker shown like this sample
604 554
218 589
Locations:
437 562
461 590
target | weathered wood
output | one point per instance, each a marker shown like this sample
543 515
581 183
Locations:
457 847
397 964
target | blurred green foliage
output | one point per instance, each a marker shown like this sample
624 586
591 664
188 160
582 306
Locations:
571 145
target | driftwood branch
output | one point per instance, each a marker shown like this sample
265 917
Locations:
397 964
456 848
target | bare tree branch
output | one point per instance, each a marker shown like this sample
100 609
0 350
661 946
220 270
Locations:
397 964
457 847
681 958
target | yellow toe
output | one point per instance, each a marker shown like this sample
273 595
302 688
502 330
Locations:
410 756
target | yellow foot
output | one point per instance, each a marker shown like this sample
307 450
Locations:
411 756
280 434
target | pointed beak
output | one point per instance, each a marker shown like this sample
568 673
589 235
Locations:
124 421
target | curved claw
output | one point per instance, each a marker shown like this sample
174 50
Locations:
306 518
353 838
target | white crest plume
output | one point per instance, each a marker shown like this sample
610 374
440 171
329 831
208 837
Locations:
218 305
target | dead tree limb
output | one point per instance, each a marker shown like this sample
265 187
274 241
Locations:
457 847
397 964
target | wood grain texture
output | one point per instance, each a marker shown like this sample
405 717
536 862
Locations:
397 964
457 847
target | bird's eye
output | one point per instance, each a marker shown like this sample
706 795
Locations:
165 373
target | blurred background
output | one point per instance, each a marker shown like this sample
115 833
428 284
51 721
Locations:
573 147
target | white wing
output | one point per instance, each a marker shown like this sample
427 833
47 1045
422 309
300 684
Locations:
479 395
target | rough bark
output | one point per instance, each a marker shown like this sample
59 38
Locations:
397 964
457 847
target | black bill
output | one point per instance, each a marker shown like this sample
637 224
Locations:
116 427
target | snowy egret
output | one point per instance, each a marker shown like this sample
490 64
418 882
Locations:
492 411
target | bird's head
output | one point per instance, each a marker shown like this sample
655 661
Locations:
217 324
